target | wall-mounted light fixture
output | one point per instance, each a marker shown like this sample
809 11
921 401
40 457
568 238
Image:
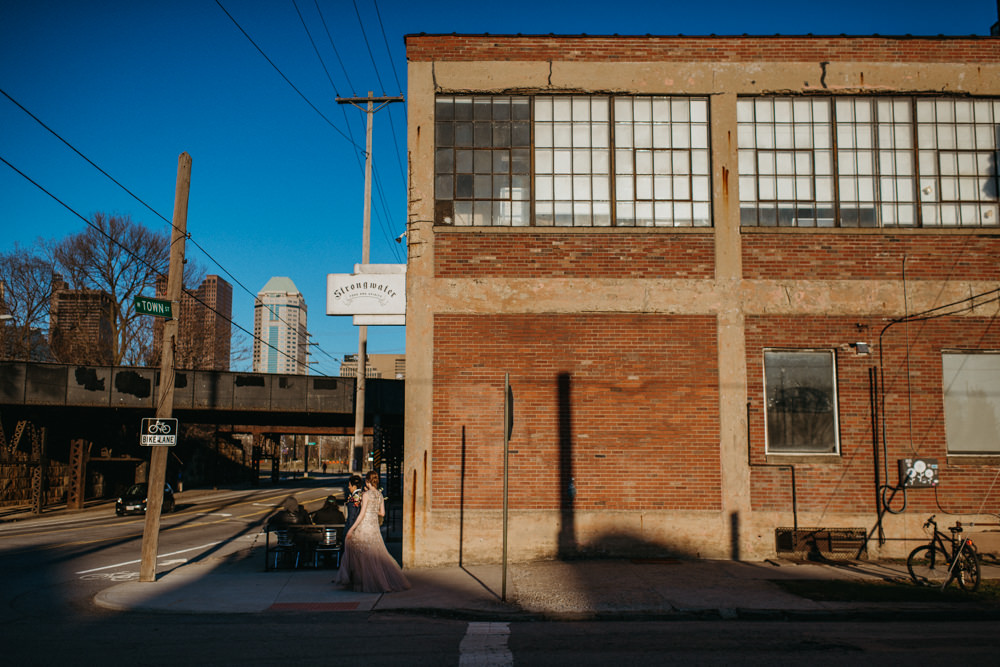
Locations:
861 348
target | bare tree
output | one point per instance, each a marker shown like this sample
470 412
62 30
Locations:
25 289
122 258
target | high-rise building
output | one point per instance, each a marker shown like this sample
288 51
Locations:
280 342
204 325
80 324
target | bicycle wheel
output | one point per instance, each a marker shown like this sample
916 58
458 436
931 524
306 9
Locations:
967 570
928 566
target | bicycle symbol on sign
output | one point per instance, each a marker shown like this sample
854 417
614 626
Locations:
158 426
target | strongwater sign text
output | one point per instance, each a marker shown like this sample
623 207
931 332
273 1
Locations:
377 289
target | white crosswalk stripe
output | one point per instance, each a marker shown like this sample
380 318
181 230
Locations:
485 645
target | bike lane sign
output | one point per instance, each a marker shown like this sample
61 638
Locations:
158 431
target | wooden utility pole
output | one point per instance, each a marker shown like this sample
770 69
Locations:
165 395
359 383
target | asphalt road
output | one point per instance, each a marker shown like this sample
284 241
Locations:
51 568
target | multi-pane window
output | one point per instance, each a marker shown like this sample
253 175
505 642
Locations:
868 161
959 146
661 161
482 161
785 162
572 160
801 401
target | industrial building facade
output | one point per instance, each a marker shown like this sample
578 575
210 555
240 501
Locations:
744 291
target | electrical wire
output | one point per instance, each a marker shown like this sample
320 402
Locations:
399 86
287 80
132 254
334 46
131 194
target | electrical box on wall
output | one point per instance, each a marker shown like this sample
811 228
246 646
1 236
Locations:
918 473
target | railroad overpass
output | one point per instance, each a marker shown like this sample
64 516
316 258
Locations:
72 415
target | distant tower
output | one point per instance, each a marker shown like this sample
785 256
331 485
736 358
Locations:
279 327
80 325
205 334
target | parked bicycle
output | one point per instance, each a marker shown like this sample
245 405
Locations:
945 559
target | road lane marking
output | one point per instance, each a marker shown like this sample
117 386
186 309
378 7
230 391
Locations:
485 645
133 562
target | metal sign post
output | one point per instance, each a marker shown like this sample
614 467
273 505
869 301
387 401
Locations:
508 426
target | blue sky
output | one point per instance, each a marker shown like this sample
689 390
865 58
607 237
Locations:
277 185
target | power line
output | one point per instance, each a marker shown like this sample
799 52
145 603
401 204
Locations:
378 77
386 41
287 80
132 254
130 193
335 51
336 92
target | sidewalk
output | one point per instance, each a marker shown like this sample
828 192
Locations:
607 589
231 579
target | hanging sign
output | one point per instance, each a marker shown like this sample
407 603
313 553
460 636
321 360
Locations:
374 294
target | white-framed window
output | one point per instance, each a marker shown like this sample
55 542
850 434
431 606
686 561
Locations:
970 384
869 161
800 399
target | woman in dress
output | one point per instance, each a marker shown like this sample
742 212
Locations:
366 565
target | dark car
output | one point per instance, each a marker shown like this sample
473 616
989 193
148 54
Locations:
133 501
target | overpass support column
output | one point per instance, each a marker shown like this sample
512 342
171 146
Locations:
79 451
39 453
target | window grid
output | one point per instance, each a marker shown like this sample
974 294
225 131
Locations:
959 150
662 165
572 161
891 171
483 160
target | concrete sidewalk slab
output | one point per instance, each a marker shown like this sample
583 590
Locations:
607 589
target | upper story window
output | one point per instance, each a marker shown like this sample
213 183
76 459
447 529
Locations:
868 161
580 160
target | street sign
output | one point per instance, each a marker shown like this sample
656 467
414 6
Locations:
147 306
160 431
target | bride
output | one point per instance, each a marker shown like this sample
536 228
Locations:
366 565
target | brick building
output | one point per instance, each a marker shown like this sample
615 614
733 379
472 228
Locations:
734 281
204 325
81 325
390 366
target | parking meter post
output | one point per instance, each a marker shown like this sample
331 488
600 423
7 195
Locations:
165 396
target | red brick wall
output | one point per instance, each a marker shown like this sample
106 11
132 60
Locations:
913 411
626 405
814 255
710 49
620 255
